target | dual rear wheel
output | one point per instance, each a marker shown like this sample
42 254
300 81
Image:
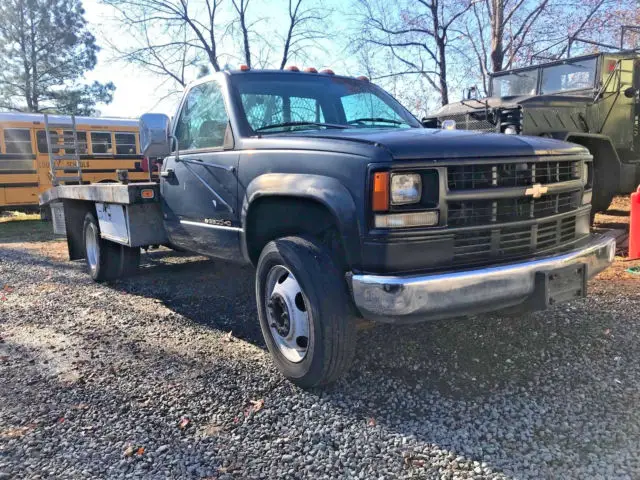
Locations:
106 260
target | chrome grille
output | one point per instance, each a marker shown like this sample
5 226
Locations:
470 177
512 241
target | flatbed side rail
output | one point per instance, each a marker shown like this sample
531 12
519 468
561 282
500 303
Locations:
129 194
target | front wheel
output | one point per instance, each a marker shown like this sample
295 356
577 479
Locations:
304 313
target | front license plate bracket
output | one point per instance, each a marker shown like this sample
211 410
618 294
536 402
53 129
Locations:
560 285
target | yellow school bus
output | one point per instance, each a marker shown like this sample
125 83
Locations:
104 146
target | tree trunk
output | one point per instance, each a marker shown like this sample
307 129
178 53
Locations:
444 88
497 31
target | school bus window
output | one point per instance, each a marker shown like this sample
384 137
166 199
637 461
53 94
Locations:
125 143
41 141
101 142
82 142
18 140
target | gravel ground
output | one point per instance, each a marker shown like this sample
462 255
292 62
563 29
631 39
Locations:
141 379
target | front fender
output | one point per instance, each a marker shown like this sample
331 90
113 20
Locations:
328 191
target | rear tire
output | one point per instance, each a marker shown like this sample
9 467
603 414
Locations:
106 260
297 280
96 250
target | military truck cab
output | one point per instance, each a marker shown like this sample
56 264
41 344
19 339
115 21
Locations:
591 100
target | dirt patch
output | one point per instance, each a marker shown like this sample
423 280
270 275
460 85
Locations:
617 216
54 249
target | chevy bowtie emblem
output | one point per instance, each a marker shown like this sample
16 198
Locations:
536 191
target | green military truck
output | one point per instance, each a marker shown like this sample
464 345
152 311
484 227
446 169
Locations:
591 100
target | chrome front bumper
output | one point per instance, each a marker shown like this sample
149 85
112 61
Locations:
414 298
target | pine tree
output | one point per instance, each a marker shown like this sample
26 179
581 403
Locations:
45 49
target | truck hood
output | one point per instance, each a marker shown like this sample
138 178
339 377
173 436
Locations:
509 102
425 143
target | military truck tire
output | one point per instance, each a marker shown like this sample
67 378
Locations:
303 308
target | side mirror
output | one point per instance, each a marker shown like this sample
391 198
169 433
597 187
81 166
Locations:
154 135
630 92
470 93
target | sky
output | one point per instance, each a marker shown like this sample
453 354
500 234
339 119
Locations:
138 91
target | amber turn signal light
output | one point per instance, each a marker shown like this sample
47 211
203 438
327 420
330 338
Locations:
380 195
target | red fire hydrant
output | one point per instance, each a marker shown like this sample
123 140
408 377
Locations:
634 226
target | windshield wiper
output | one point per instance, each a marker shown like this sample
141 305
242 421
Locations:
299 124
376 119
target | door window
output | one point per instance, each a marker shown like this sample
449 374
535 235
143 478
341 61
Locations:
18 140
203 119
101 142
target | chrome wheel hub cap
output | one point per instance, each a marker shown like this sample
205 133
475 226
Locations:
91 246
287 314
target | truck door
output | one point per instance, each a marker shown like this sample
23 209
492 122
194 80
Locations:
199 183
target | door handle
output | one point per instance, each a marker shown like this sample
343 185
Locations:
168 173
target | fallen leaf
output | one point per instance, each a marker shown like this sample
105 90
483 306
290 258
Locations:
17 432
61 420
212 430
257 405
184 423
371 422
417 463
607 331
8 289
80 406
140 451
229 337
129 451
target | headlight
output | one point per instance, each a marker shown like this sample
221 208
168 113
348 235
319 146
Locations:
449 124
510 130
406 188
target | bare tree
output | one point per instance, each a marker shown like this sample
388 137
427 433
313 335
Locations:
500 30
176 38
417 35
504 34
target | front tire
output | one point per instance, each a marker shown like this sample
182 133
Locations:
304 313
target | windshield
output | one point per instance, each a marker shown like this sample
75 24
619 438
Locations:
569 76
521 83
274 102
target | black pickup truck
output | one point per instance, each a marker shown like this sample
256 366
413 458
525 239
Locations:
347 207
